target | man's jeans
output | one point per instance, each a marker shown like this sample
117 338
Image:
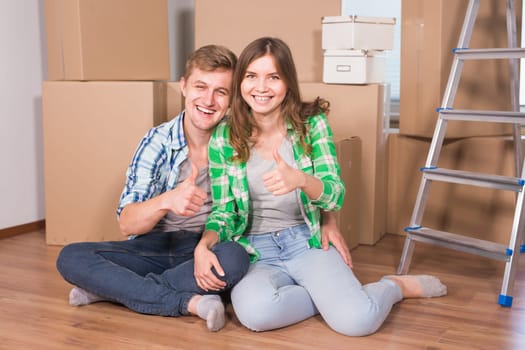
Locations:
151 274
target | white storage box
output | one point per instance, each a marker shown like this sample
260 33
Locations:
357 32
353 67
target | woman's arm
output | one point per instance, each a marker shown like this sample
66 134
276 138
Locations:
324 187
223 218
325 164
330 234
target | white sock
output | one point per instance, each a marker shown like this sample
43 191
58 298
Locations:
79 296
211 309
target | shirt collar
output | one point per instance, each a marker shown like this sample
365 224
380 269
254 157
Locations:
178 139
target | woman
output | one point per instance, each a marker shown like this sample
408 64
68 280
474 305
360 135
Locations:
273 171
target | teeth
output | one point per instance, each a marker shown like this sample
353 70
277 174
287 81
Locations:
205 110
262 98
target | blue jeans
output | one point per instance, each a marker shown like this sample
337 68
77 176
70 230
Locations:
292 282
151 274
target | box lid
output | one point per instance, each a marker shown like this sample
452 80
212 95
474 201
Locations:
359 19
353 53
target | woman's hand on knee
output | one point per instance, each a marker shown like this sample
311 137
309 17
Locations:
205 262
330 234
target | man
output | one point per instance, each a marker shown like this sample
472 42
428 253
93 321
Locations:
163 209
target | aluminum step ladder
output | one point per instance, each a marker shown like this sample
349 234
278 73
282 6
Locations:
415 232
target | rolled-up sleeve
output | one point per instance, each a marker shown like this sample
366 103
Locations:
144 176
326 165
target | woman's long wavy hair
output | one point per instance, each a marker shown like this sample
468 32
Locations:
242 123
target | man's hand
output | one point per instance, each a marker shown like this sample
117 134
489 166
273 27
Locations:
283 178
187 198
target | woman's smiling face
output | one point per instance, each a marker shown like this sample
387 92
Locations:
262 87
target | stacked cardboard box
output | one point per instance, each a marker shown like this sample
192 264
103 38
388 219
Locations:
107 40
357 112
472 211
91 130
108 60
430 30
349 157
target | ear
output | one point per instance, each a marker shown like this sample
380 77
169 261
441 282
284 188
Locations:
182 83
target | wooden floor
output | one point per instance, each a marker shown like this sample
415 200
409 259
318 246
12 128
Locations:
34 313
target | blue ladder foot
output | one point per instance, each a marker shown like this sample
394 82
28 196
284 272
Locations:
505 300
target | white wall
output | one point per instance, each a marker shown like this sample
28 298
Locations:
22 69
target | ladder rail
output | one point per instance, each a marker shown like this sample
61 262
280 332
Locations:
437 143
457 65
421 200
514 244
512 35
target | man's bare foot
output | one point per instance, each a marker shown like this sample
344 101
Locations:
210 308
419 286
79 297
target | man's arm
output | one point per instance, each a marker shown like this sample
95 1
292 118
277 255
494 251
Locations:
139 218
185 200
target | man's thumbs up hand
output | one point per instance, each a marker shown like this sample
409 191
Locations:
187 198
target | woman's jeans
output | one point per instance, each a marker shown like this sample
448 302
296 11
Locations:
291 283
151 274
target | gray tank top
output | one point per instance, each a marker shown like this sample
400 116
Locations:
268 212
195 223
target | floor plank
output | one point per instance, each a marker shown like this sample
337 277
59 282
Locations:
34 313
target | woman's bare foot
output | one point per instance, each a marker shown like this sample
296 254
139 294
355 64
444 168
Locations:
419 286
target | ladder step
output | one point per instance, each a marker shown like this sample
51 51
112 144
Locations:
459 242
501 182
483 116
498 53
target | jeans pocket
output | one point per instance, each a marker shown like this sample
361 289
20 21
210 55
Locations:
300 232
296 242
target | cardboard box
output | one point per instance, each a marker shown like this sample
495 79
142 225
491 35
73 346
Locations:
353 67
357 32
91 130
349 157
468 210
358 110
236 23
107 39
174 99
430 30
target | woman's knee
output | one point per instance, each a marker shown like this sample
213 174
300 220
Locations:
254 315
354 324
